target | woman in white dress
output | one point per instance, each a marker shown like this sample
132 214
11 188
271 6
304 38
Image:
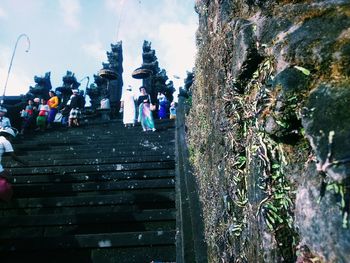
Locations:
127 103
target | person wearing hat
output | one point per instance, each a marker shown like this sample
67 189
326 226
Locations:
6 135
4 121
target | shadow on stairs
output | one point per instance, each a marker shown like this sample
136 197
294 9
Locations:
97 193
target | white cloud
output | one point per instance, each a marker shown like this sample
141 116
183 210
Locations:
114 5
3 14
95 50
70 12
18 82
177 44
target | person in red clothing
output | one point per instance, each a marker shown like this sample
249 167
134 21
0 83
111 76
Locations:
53 104
41 120
6 135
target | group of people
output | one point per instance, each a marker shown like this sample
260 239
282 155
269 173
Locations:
145 109
43 113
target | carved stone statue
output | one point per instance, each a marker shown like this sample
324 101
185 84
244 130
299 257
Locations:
109 81
157 81
69 82
41 88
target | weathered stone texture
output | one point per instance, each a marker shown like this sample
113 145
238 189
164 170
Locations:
269 129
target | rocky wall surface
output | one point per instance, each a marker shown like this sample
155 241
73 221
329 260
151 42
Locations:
269 129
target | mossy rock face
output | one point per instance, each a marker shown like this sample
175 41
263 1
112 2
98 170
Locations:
272 27
283 122
244 46
249 94
320 223
291 81
328 111
313 41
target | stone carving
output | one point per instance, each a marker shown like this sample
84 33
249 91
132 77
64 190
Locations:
41 88
109 80
157 81
69 82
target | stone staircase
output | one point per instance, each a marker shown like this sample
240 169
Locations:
97 193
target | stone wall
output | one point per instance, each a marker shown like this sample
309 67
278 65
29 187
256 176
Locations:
269 129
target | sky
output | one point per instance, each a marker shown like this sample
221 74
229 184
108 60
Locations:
74 35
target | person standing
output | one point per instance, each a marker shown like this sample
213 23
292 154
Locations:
4 121
172 110
53 103
127 103
27 116
6 135
163 106
42 115
77 103
145 114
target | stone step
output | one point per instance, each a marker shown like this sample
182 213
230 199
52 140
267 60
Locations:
102 240
98 193
88 132
87 154
51 225
91 168
86 136
92 177
164 253
63 138
50 161
125 151
59 189
115 208
136 197
96 145
87 218
88 149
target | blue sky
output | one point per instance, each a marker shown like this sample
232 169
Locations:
75 35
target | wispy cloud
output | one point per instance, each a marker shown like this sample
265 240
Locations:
177 55
114 5
70 12
3 14
95 50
